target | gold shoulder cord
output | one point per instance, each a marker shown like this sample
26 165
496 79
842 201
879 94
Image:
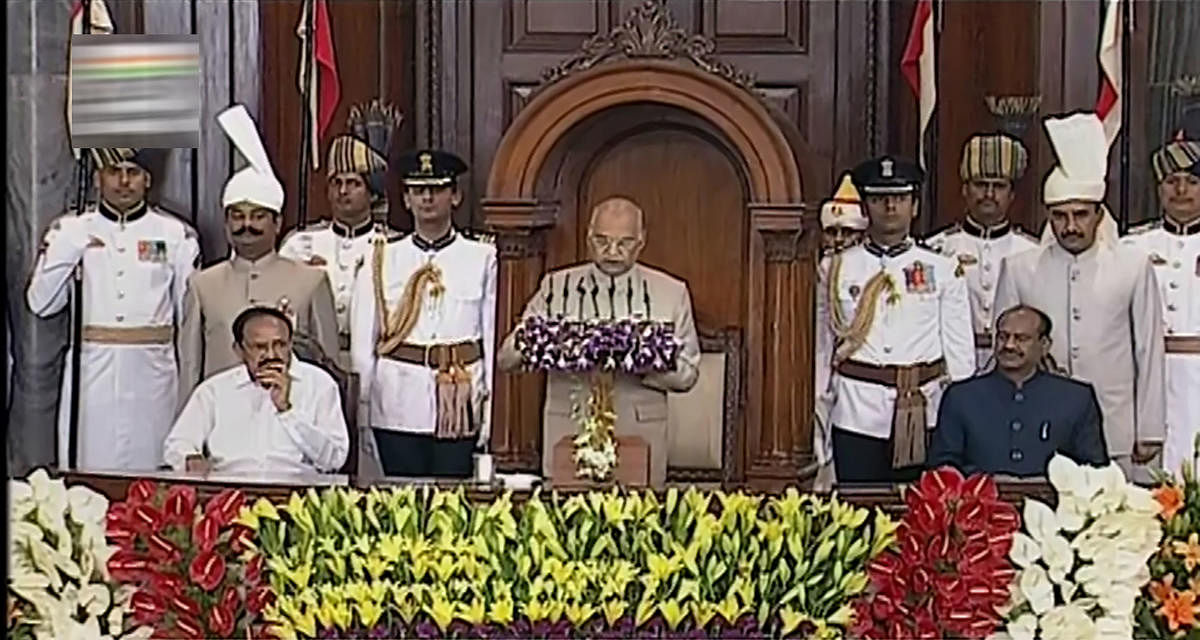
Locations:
395 327
851 338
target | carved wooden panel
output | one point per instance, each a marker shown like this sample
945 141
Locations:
755 26
791 100
552 25
516 94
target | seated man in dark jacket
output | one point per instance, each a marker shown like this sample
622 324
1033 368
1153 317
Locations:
1013 419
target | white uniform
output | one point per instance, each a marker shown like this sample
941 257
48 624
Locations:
235 419
1108 329
401 395
341 251
1174 251
979 250
927 319
135 273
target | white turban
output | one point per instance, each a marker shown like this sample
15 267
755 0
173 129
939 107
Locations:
844 209
256 183
1082 151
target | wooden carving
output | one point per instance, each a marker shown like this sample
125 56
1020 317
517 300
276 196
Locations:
649 31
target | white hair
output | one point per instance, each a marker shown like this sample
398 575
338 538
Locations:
618 202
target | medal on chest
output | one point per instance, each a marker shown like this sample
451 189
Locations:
152 250
918 278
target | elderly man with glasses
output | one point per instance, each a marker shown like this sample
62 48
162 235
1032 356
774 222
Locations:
616 237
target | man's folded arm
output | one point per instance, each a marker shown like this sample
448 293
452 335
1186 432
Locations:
323 438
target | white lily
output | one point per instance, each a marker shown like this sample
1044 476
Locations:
87 506
1025 551
1024 627
1036 587
1040 521
1058 556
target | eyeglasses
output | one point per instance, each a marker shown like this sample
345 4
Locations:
626 244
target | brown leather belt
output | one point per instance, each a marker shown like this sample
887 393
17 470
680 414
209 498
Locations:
1183 344
983 340
129 335
887 375
438 356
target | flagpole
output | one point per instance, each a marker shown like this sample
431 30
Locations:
82 188
306 110
1126 106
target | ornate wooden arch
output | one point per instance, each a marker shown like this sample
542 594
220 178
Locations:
650 60
770 164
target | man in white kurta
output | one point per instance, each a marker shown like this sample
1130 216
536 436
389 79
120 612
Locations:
423 331
1173 244
274 414
1101 294
135 260
990 168
893 330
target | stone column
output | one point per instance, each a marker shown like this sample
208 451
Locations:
40 188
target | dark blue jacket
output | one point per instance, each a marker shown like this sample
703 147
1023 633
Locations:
986 424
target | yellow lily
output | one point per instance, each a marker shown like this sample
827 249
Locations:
440 609
730 609
264 508
791 620
502 611
644 610
369 612
375 565
613 610
579 613
472 613
703 612
535 610
247 518
843 616
673 613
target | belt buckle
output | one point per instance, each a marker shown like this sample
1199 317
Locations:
431 349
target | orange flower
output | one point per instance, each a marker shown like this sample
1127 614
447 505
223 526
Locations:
1160 591
1189 551
1170 500
1179 609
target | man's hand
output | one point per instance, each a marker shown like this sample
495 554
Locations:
197 463
275 378
1144 452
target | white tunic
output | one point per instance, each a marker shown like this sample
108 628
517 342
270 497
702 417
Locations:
135 275
924 322
1174 250
343 250
401 396
1108 329
979 250
236 420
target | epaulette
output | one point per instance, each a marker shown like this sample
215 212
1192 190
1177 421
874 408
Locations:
1144 227
390 234
478 236
947 231
314 226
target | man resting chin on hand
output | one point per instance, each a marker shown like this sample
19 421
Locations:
275 414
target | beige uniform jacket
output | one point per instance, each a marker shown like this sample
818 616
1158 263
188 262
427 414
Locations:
640 402
1108 329
216 295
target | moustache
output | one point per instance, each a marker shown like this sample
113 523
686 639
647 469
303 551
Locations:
248 231
269 361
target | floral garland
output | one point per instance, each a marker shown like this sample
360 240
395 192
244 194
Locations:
600 348
1083 565
193 569
58 586
950 576
1169 605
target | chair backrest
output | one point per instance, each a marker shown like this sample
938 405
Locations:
703 423
309 351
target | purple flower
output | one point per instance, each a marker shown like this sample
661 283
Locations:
381 631
573 346
427 630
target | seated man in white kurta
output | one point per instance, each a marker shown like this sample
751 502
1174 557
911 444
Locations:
275 414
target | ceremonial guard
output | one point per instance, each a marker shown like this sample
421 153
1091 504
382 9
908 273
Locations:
893 329
357 193
990 168
422 330
1101 295
842 219
136 260
1173 244
254 275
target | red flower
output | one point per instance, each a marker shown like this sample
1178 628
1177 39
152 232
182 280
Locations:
117 516
225 506
148 607
168 633
205 532
185 605
190 626
145 519
127 566
163 550
230 599
168 585
242 538
141 492
220 622
254 570
207 570
259 598
122 538
180 507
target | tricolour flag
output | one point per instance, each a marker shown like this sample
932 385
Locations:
101 23
324 92
1108 105
919 68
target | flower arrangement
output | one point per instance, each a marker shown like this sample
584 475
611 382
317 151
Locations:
192 568
1083 565
599 348
1168 607
58 586
950 575
419 562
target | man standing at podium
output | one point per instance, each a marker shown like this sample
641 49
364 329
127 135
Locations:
616 237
